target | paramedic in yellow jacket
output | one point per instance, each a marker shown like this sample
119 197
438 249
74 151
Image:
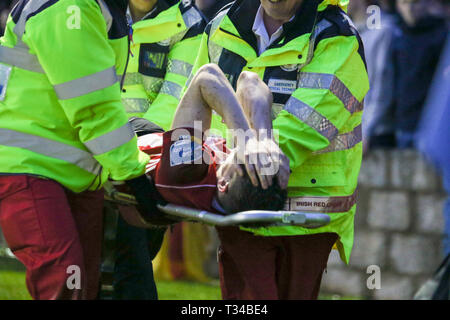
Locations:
165 36
312 58
63 133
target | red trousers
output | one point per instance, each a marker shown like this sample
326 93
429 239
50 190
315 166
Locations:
272 268
55 233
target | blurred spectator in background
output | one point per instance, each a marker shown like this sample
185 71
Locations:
211 7
418 43
402 55
375 22
433 138
5 7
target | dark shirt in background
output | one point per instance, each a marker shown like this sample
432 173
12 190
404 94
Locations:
5 8
416 51
210 7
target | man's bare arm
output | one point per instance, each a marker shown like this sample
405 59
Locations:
210 90
256 100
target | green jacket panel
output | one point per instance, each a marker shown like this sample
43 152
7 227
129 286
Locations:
163 54
62 116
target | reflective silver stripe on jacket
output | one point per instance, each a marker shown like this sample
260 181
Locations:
132 78
320 27
30 7
343 141
321 204
311 117
82 86
179 67
50 148
106 14
136 105
171 88
191 17
111 140
330 82
19 57
214 50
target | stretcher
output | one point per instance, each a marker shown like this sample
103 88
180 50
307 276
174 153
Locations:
253 218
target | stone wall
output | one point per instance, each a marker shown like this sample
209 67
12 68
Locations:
398 227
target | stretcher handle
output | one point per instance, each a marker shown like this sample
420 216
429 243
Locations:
246 218
249 218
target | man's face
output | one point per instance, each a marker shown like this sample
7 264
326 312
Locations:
412 10
281 9
143 5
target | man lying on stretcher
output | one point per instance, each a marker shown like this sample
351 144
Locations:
189 169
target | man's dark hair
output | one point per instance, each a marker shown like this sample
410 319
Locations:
242 195
142 126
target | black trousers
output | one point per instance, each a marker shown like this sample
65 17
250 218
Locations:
133 271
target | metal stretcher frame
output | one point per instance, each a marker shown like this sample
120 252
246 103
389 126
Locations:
255 218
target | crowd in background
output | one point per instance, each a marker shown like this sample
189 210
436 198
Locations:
402 53
407 48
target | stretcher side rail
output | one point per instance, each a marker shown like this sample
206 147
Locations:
254 218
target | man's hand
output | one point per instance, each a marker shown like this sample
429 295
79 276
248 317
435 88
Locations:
279 165
264 160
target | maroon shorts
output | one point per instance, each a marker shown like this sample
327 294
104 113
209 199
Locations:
271 268
52 230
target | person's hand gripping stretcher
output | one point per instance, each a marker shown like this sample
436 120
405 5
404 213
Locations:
188 169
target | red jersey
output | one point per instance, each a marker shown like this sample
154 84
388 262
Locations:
184 169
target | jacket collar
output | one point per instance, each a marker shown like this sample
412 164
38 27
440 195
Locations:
160 6
243 12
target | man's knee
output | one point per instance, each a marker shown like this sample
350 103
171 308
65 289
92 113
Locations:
249 82
209 72
248 77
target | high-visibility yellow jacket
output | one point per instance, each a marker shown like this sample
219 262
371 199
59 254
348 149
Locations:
317 74
164 47
61 115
